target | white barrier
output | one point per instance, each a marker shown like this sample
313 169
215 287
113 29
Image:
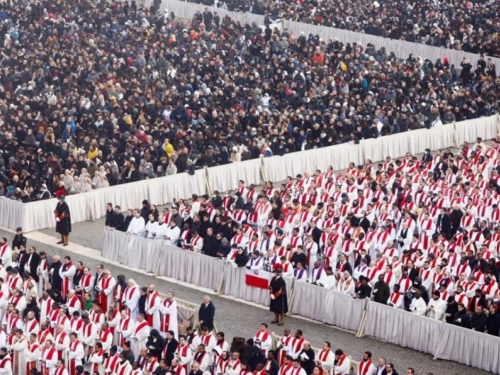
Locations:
92 205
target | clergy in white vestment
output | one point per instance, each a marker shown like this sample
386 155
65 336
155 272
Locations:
137 224
342 363
418 305
66 272
346 284
96 359
43 273
31 325
153 307
396 299
326 357
141 333
5 252
168 311
297 368
330 280
125 328
5 362
366 366
183 353
436 306
131 297
49 358
60 368
75 353
263 339
33 352
18 346
74 302
318 274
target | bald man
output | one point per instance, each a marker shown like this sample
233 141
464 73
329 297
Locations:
153 307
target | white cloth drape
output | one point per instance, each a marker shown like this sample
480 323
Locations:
399 47
92 205
327 306
472 348
403 328
11 213
486 128
225 177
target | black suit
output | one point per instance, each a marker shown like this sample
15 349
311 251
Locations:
444 225
474 301
117 221
358 260
412 274
109 217
35 261
23 259
274 367
206 314
171 348
56 280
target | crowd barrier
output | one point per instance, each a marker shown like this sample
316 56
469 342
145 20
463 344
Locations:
443 341
92 205
399 47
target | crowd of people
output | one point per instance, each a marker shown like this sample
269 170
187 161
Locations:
95 94
421 235
466 26
62 318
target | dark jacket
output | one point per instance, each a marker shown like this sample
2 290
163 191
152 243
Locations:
307 364
364 291
19 240
56 280
155 346
381 292
35 261
274 367
478 322
171 348
110 215
253 356
117 221
493 324
207 314
461 319
126 222
210 245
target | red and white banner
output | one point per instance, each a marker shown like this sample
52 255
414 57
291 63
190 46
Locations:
258 278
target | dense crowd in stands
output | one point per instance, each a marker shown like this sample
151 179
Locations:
468 26
95 95
62 318
418 234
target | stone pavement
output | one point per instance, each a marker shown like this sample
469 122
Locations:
236 318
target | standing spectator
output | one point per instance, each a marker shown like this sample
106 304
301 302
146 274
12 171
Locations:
381 291
118 219
206 313
63 220
493 322
307 359
478 320
19 239
110 215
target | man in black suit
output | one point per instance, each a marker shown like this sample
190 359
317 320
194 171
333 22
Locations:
32 263
478 300
171 346
118 218
443 224
110 214
272 366
56 279
206 313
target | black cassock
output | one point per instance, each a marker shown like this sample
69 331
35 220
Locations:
277 287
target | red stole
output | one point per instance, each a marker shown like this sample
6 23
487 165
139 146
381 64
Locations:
60 340
104 297
166 317
72 363
364 367
66 280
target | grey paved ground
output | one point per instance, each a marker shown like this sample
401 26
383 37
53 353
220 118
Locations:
235 318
